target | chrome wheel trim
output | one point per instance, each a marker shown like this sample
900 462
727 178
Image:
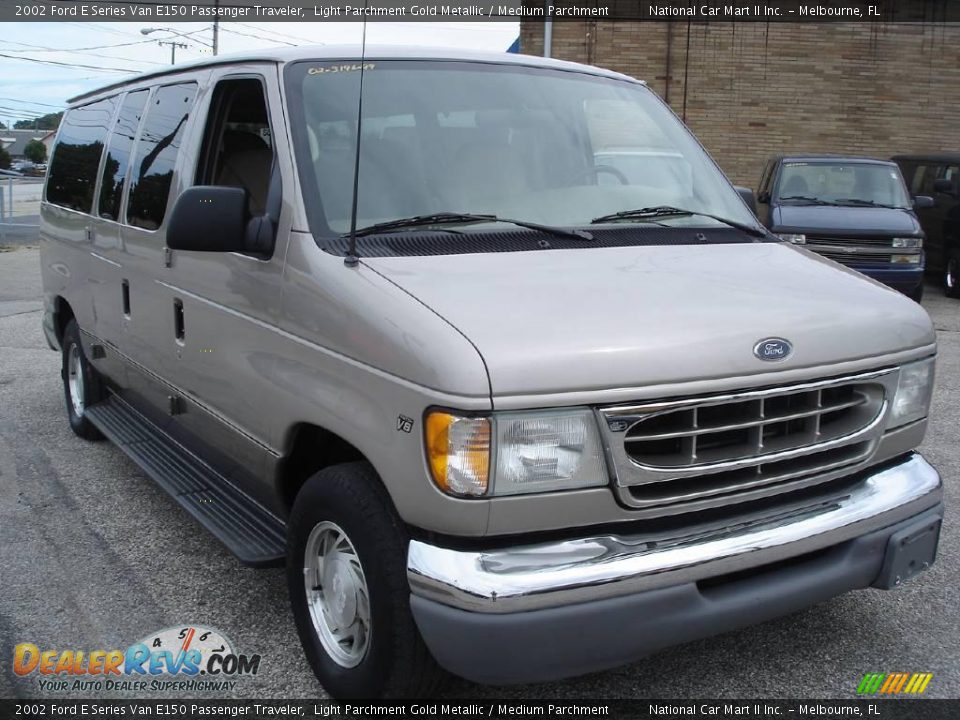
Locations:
951 274
337 595
75 379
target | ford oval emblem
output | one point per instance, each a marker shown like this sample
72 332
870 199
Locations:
773 349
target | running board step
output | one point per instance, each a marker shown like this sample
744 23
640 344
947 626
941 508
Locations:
250 531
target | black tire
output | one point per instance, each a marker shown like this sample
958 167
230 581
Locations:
395 662
916 294
89 386
951 273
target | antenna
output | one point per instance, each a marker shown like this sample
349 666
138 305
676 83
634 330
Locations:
351 259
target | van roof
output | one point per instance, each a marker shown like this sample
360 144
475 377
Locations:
826 156
950 157
353 52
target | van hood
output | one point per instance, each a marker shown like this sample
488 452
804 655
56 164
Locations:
845 220
602 318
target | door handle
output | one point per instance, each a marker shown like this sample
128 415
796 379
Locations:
178 326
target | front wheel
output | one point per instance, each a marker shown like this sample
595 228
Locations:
347 577
81 384
951 274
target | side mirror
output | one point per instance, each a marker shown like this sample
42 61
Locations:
922 201
944 185
763 197
747 195
215 219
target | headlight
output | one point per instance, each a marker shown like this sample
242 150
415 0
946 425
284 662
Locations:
795 238
914 389
538 452
913 242
905 259
458 452
531 452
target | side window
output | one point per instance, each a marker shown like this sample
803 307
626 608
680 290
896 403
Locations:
237 145
118 154
156 154
76 158
916 180
930 174
767 176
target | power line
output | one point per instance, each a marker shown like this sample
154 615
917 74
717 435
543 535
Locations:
96 55
31 102
275 32
102 28
258 37
125 71
44 48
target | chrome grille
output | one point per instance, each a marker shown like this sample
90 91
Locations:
706 451
883 242
706 434
860 251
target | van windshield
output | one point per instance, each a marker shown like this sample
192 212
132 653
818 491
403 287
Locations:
842 183
533 144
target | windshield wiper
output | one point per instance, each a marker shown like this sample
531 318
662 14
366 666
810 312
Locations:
451 218
861 201
667 210
808 199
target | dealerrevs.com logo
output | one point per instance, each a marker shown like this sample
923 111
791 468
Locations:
184 658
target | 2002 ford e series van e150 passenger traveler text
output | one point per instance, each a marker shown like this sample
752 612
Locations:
509 404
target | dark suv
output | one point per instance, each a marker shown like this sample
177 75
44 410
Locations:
938 175
855 211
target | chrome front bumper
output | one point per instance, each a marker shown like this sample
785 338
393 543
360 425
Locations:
554 574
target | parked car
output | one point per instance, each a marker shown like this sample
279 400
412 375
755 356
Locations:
855 211
937 175
495 416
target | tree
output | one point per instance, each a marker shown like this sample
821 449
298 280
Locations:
4 159
49 121
35 151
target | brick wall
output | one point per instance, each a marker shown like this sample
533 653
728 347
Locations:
749 90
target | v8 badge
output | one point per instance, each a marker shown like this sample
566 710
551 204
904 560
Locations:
404 423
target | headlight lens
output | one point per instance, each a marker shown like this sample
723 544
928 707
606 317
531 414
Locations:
911 242
914 389
905 259
540 452
795 238
458 452
531 452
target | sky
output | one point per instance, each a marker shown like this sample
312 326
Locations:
30 88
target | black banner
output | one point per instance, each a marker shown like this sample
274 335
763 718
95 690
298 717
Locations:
465 10
905 709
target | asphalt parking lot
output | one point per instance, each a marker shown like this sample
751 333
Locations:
94 556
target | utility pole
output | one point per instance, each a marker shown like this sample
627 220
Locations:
216 26
173 48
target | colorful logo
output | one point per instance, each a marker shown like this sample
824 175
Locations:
894 683
184 652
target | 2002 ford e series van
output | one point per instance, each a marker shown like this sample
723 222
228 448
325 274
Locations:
508 404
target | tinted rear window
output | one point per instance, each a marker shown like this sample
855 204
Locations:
156 154
73 168
118 154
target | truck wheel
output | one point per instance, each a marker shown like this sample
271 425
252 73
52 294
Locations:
347 577
951 274
81 383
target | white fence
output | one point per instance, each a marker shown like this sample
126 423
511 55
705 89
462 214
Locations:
19 206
